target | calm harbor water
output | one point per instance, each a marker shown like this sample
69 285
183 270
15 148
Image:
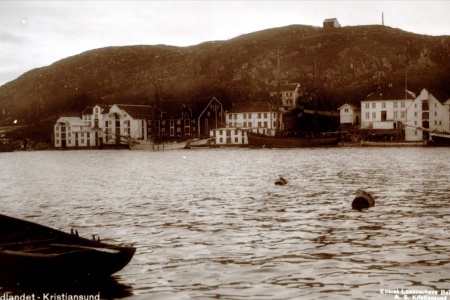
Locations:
211 224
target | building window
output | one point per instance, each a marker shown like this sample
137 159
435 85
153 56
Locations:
395 114
374 115
383 105
265 115
346 110
403 103
367 105
367 115
395 104
374 105
259 115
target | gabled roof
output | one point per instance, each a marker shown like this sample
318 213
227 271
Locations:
138 111
88 110
73 121
330 20
440 95
174 107
288 87
349 105
390 93
253 108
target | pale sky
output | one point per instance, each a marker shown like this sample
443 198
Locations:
38 33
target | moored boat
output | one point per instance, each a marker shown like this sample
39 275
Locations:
393 144
6 145
29 251
151 145
200 143
266 141
439 139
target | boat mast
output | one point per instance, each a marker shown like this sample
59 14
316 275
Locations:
315 97
279 99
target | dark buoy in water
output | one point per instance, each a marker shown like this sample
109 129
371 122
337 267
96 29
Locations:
363 200
281 181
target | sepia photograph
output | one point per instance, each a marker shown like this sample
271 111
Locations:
224 150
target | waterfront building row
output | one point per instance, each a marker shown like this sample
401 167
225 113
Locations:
398 109
118 124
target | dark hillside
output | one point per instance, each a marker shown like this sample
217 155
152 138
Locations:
343 65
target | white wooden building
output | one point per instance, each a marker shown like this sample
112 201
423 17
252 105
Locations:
385 108
73 132
257 117
287 95
349 115
424 115
101 125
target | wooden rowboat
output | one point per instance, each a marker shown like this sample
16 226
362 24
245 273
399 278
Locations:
29 250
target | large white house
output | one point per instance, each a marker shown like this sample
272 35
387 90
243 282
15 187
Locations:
287 95
386 108
102 126
425 115
257 117
73 132
397 108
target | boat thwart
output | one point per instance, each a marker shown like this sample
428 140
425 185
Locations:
29 251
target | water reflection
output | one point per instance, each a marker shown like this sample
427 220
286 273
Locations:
212 224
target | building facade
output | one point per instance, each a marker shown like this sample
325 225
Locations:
349 115
73 132
261 118
384 109
416 116
287 95
118 124
426 114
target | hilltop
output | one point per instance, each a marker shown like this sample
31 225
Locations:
343 64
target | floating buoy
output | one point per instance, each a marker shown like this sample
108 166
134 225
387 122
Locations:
281 181
362 200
